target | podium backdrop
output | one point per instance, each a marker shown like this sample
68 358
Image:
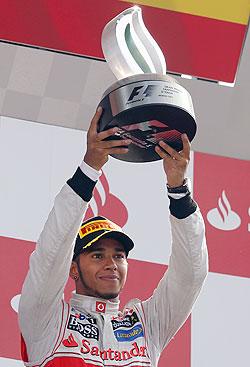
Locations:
52 74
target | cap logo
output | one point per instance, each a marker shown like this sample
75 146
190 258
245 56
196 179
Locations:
97 225
100 307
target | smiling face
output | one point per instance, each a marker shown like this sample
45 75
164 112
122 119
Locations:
102 270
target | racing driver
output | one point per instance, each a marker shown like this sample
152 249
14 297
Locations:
90 330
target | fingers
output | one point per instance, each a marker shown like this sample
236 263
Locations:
118 151
113 143
186 146
107 133
160 152
94 122
93 128
166 151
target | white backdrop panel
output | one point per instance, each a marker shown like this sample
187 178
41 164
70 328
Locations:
36 160
7 362
221 323
25 169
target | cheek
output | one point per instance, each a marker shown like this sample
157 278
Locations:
88 273
123 272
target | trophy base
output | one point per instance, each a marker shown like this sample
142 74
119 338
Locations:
147 108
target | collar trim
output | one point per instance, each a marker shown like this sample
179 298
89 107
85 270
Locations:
94 304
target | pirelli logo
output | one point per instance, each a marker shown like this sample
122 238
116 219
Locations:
97 225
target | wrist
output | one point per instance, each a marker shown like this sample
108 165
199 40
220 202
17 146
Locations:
175 183
92 163
180 191
90 171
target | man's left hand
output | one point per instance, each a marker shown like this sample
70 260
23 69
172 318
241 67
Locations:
174 163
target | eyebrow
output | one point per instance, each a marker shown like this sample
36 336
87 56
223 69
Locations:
102 249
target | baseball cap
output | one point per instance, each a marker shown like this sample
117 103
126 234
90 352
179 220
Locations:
97 227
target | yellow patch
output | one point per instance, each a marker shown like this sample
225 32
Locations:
230 11
97 225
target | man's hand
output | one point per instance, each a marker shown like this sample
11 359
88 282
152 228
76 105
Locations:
98 150
174 163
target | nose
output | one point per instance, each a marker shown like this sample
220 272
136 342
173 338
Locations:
110 264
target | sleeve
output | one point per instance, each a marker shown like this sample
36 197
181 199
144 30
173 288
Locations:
173 299
49 264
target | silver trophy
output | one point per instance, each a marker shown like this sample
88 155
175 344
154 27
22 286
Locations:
146 104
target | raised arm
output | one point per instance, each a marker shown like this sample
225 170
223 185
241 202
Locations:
50 262
173 299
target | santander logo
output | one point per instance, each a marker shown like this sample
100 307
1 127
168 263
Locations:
223 217
106 204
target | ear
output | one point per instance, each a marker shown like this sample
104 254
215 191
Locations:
73 273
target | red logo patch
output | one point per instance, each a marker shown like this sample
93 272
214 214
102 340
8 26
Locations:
221 188
70 342
100 307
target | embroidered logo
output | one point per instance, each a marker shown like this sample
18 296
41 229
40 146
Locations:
115 355
70 342
100 307
97 225
125 322
130 334
87 330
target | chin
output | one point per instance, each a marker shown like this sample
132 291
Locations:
108 295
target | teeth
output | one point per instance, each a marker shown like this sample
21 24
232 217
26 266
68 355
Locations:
129 48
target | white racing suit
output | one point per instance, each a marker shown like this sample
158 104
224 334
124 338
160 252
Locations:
93 332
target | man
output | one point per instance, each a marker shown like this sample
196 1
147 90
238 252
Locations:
91 330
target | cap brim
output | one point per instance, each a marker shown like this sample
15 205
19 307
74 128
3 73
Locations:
125 240
127 243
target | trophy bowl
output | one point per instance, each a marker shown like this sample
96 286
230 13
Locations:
147 108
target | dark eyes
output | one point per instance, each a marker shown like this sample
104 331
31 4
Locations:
101 256
120 256
97 256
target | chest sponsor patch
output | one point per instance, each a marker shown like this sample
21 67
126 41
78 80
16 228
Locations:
126 322
124 335
88 318
87 330
100 307
136 351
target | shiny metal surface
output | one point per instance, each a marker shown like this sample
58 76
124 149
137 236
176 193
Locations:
150 92
136 78
129 48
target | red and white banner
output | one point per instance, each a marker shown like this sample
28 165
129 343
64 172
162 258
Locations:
36 159
134 196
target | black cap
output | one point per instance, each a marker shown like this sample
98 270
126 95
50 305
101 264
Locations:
97 227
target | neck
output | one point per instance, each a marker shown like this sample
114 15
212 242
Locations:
105 297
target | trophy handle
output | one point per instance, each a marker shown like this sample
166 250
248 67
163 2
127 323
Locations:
129 48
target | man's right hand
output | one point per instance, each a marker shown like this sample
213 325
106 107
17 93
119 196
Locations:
98 150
